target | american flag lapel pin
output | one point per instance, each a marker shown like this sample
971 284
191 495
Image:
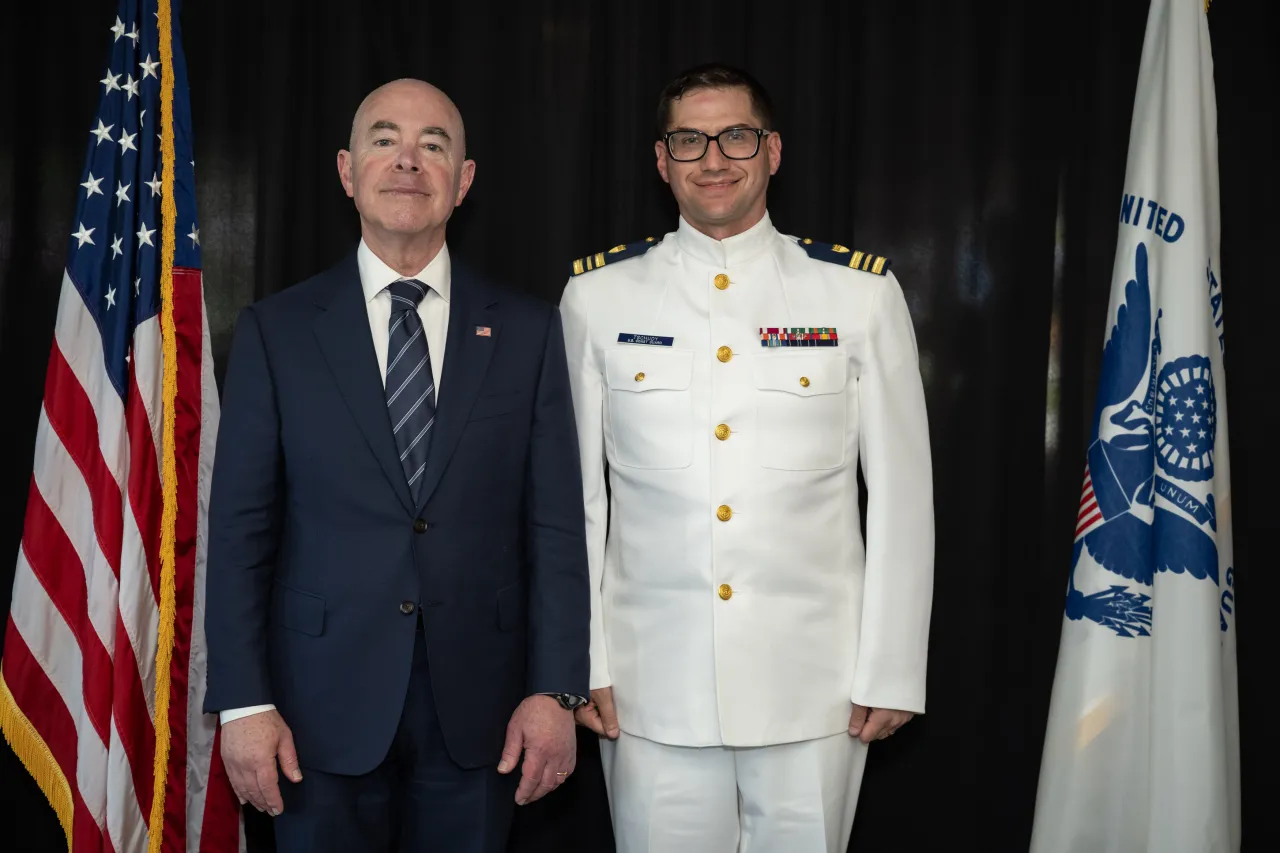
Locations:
484 332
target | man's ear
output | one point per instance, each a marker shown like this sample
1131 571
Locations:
660 151
345 162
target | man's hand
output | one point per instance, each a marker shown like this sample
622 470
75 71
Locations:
250 748
598 714
878 724
544 731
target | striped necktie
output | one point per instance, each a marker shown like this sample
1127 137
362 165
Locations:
410 389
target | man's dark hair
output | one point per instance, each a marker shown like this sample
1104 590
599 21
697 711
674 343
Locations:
714 75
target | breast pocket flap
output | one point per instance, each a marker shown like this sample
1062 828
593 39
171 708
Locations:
808 375
648 369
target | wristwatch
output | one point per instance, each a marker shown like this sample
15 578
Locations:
568 701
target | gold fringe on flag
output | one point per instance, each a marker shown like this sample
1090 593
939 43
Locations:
34 754
169 475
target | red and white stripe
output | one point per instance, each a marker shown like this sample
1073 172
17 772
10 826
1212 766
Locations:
81 642
1090 516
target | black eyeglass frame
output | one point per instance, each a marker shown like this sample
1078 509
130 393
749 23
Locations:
760 133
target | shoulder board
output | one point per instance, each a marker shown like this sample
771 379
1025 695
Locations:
617 253
836 254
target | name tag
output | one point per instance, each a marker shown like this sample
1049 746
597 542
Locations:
646 340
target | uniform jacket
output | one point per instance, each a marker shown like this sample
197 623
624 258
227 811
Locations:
734 600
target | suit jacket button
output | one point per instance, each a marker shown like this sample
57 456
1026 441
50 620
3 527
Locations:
407 607
419 526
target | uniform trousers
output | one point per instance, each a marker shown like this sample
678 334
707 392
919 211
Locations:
786 798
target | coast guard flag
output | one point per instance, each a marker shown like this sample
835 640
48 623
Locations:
102 677
1142 749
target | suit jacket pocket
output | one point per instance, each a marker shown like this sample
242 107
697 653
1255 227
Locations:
512 609
297 610
494 405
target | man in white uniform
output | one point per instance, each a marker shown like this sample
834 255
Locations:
746 647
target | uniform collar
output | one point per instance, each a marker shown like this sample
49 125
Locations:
375 275
731 251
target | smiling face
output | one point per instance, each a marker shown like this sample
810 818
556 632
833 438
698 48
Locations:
718 196
406 168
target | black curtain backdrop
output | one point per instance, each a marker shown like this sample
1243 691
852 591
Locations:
981 145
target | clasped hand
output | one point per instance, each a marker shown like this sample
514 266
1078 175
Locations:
868 724
543 731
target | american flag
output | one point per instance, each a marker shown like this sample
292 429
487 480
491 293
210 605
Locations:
102 675
1089 518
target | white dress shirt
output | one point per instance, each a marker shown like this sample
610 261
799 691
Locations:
433 310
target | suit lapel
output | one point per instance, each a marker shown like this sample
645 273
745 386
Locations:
343 333
466 359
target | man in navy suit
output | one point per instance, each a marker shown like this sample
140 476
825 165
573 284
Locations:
397 587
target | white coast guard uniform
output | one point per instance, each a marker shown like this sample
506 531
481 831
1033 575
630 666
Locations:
735 610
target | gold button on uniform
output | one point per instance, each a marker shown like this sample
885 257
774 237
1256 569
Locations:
722 432
639 377
804 381
724 353
724 513
725 592
722 281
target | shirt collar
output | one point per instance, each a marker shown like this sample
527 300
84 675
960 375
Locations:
730 251
375 275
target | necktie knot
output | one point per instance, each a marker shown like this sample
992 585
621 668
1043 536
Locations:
406 294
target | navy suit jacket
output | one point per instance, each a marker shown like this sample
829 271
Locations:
316 550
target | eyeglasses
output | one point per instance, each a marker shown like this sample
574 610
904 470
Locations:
736 143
